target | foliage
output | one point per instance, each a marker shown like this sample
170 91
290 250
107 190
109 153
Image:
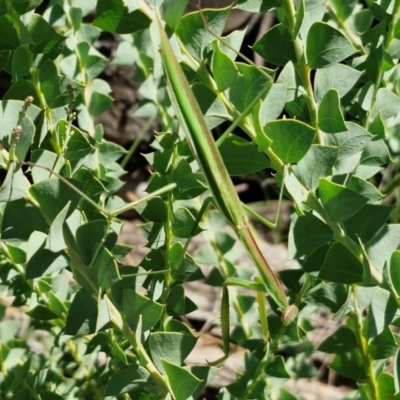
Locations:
324 116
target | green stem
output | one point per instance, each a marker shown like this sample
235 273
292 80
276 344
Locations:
302 68
378 80
363 348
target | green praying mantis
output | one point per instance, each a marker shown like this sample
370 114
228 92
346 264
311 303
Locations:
223 192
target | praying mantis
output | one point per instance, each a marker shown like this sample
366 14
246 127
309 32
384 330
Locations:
223 192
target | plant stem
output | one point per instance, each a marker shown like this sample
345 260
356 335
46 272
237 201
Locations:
302 68
363 348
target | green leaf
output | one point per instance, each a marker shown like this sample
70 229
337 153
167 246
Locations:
79 145
55 240
130 378
183 382
349 365
257 5
385 385
341 341
82 315
45 39
313 262
8 37
53 195
184 268
383 308
194 34
43 158
276 367
381 247
330 117
223 69
249 83
154 210
368 222
326 46
136 305
394 271
365 188
375 153
307 233
42 312
241 157
341 266
20 90
318 162
396 372
15 185
173 347
21 219
344 9
24 6
184 225
105 269
276 46
273 104
113 16
340 202
178 303
387 104
20 63
338 76
44 261
383 345
350 141
291 139
93 236
173 11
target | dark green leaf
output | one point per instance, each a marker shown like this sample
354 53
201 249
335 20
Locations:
314 261
113 16
326 46
183 382
105 269
317 162
330 117
382 346
276 367
367 222
173 11
383 308
20 219
339 77
381 247
130 378
45 39
53 195
136 305
223 69
44 261
341 266
394 271
193 33
291 139
349 365
241 157
184 225
248 85
24 6
276 46
8 37
340 202
42 312
341 341
173 347
82 315
307 233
